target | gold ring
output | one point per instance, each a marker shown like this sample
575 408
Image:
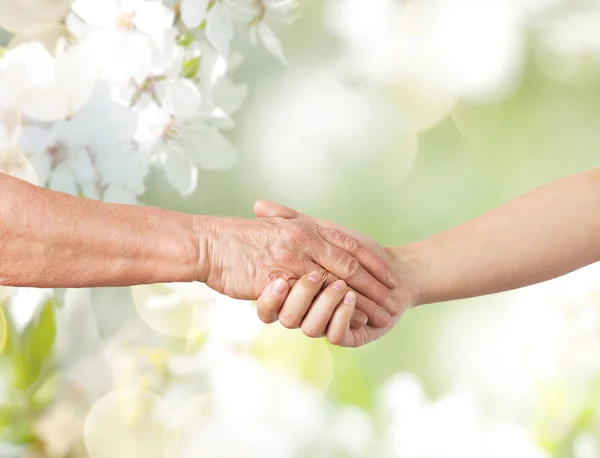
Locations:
324 276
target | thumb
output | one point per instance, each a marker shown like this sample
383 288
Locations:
263 209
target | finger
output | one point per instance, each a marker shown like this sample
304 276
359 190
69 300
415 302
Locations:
271 300
264 209
373 262
359 319
299 300
338 332
377 316
349 269
357 337
319 315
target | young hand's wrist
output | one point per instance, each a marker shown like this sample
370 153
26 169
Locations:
404 262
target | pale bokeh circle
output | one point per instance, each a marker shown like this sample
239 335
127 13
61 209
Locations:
199 428
14 163
19 15
161 310
48 34
131 424
325 126
174 309
436 61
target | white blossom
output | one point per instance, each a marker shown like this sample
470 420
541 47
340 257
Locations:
193 12
26 305
91 153
135 83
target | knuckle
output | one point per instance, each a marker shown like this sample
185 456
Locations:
300 235
334 338
311 331
385 295
351 267
349 243
275 274
288 321
308 286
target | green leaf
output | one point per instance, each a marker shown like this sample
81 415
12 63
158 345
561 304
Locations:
34 347
19 431
46 393
191 67
185 39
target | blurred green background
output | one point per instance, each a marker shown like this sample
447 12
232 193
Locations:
399 186
477 158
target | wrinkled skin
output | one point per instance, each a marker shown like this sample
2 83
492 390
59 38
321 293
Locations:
356 336
247 255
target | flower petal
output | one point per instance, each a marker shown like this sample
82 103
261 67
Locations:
212 151
181 172
154 18
62 180
96 13
184 98
119 195
193 12
219 29
229 96
271 42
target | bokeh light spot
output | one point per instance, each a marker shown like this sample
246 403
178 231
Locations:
131 424
175 309
292 352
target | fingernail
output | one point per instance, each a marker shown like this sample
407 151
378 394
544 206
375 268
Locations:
383 316
393 305
339 286
315 277
349 298
279 287
392 279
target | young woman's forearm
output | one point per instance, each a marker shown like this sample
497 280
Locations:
544 234
51 239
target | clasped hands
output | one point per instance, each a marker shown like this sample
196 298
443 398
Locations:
307 273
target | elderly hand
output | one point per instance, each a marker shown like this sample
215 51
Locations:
323 312
247 255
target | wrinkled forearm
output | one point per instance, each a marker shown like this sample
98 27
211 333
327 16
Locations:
50 239
544 234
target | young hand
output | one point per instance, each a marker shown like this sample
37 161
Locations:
273 301
320 310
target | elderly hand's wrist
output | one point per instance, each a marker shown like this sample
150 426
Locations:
205 228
